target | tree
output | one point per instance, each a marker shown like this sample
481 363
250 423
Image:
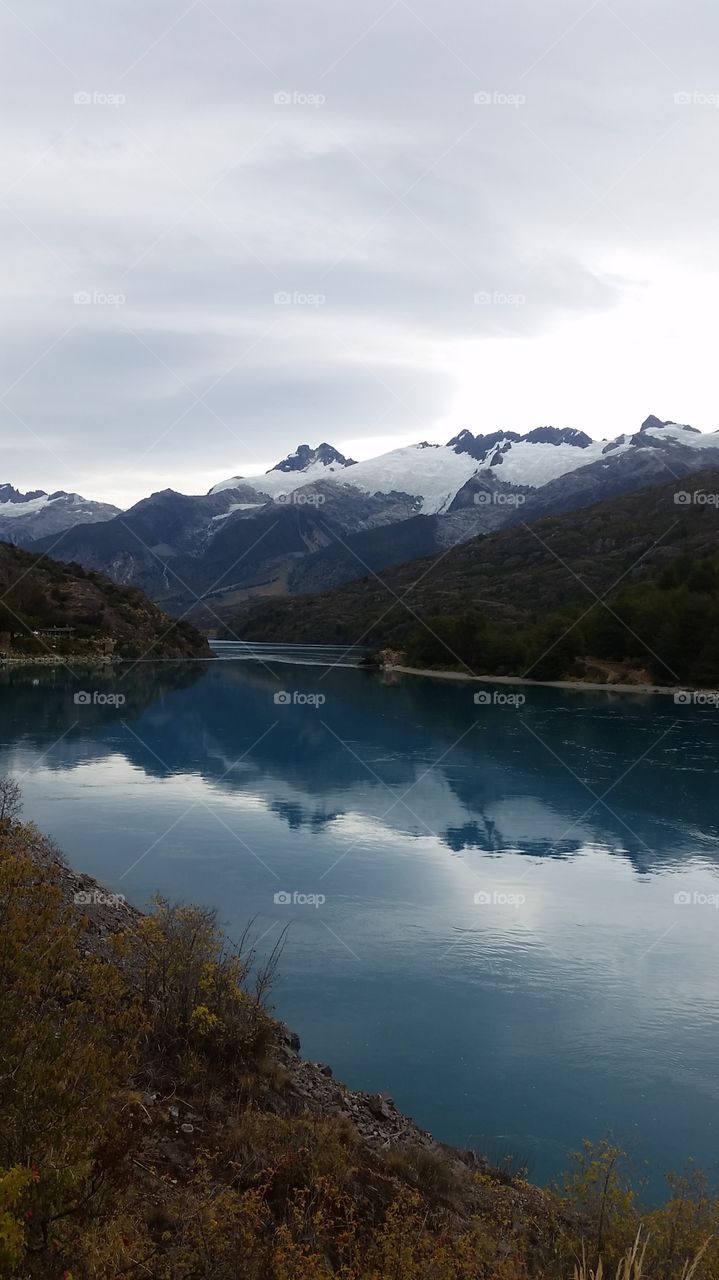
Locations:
10 800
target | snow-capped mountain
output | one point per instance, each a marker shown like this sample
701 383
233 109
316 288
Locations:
318 518
429 474
25 517
432 475
306 459
304 466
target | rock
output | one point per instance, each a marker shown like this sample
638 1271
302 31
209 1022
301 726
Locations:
381 1105
291 1039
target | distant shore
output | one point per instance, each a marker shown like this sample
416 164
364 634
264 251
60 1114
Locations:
58 660
572 685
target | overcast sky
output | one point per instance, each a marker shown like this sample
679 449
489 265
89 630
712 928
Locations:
484 214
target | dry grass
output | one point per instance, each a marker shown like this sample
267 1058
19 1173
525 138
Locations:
631 1266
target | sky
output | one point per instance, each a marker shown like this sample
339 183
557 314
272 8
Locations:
230 229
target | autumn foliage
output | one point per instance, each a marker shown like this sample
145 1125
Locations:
146 1131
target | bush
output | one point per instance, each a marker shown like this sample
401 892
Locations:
10 800
99 1180
194 989
68 1034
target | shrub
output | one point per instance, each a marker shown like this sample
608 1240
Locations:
10 800
68 1033
194 987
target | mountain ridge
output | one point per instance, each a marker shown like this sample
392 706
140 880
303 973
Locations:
25 517
507 603
317 519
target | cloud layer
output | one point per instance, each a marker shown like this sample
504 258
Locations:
228 229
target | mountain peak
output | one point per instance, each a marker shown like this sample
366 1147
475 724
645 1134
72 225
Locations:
305 457
558 435
8 493
652 422
478 447
655 424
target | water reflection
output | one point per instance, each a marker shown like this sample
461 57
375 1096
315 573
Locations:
564 771
500 945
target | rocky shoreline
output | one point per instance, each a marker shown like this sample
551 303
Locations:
378 1121
379 1124
219 1142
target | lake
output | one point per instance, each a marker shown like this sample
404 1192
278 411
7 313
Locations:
504 915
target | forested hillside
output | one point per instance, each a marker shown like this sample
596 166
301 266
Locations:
634 580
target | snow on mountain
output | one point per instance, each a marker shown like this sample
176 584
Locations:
318 519
27 516
12 509
236 506
534 464
685 435
432 475
305 457
304 466
23 504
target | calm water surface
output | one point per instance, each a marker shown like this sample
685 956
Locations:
518 939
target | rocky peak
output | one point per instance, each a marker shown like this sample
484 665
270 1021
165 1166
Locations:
558 435
305 456
480 446
652 422
8 493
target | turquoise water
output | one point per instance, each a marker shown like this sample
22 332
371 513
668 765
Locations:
575 997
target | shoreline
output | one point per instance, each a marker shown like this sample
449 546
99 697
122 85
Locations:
381 1126
86 660
58 660
572 686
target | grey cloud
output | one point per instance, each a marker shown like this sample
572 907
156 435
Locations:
398 199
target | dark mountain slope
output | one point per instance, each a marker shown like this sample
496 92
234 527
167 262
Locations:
37 592
293 530
503 602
